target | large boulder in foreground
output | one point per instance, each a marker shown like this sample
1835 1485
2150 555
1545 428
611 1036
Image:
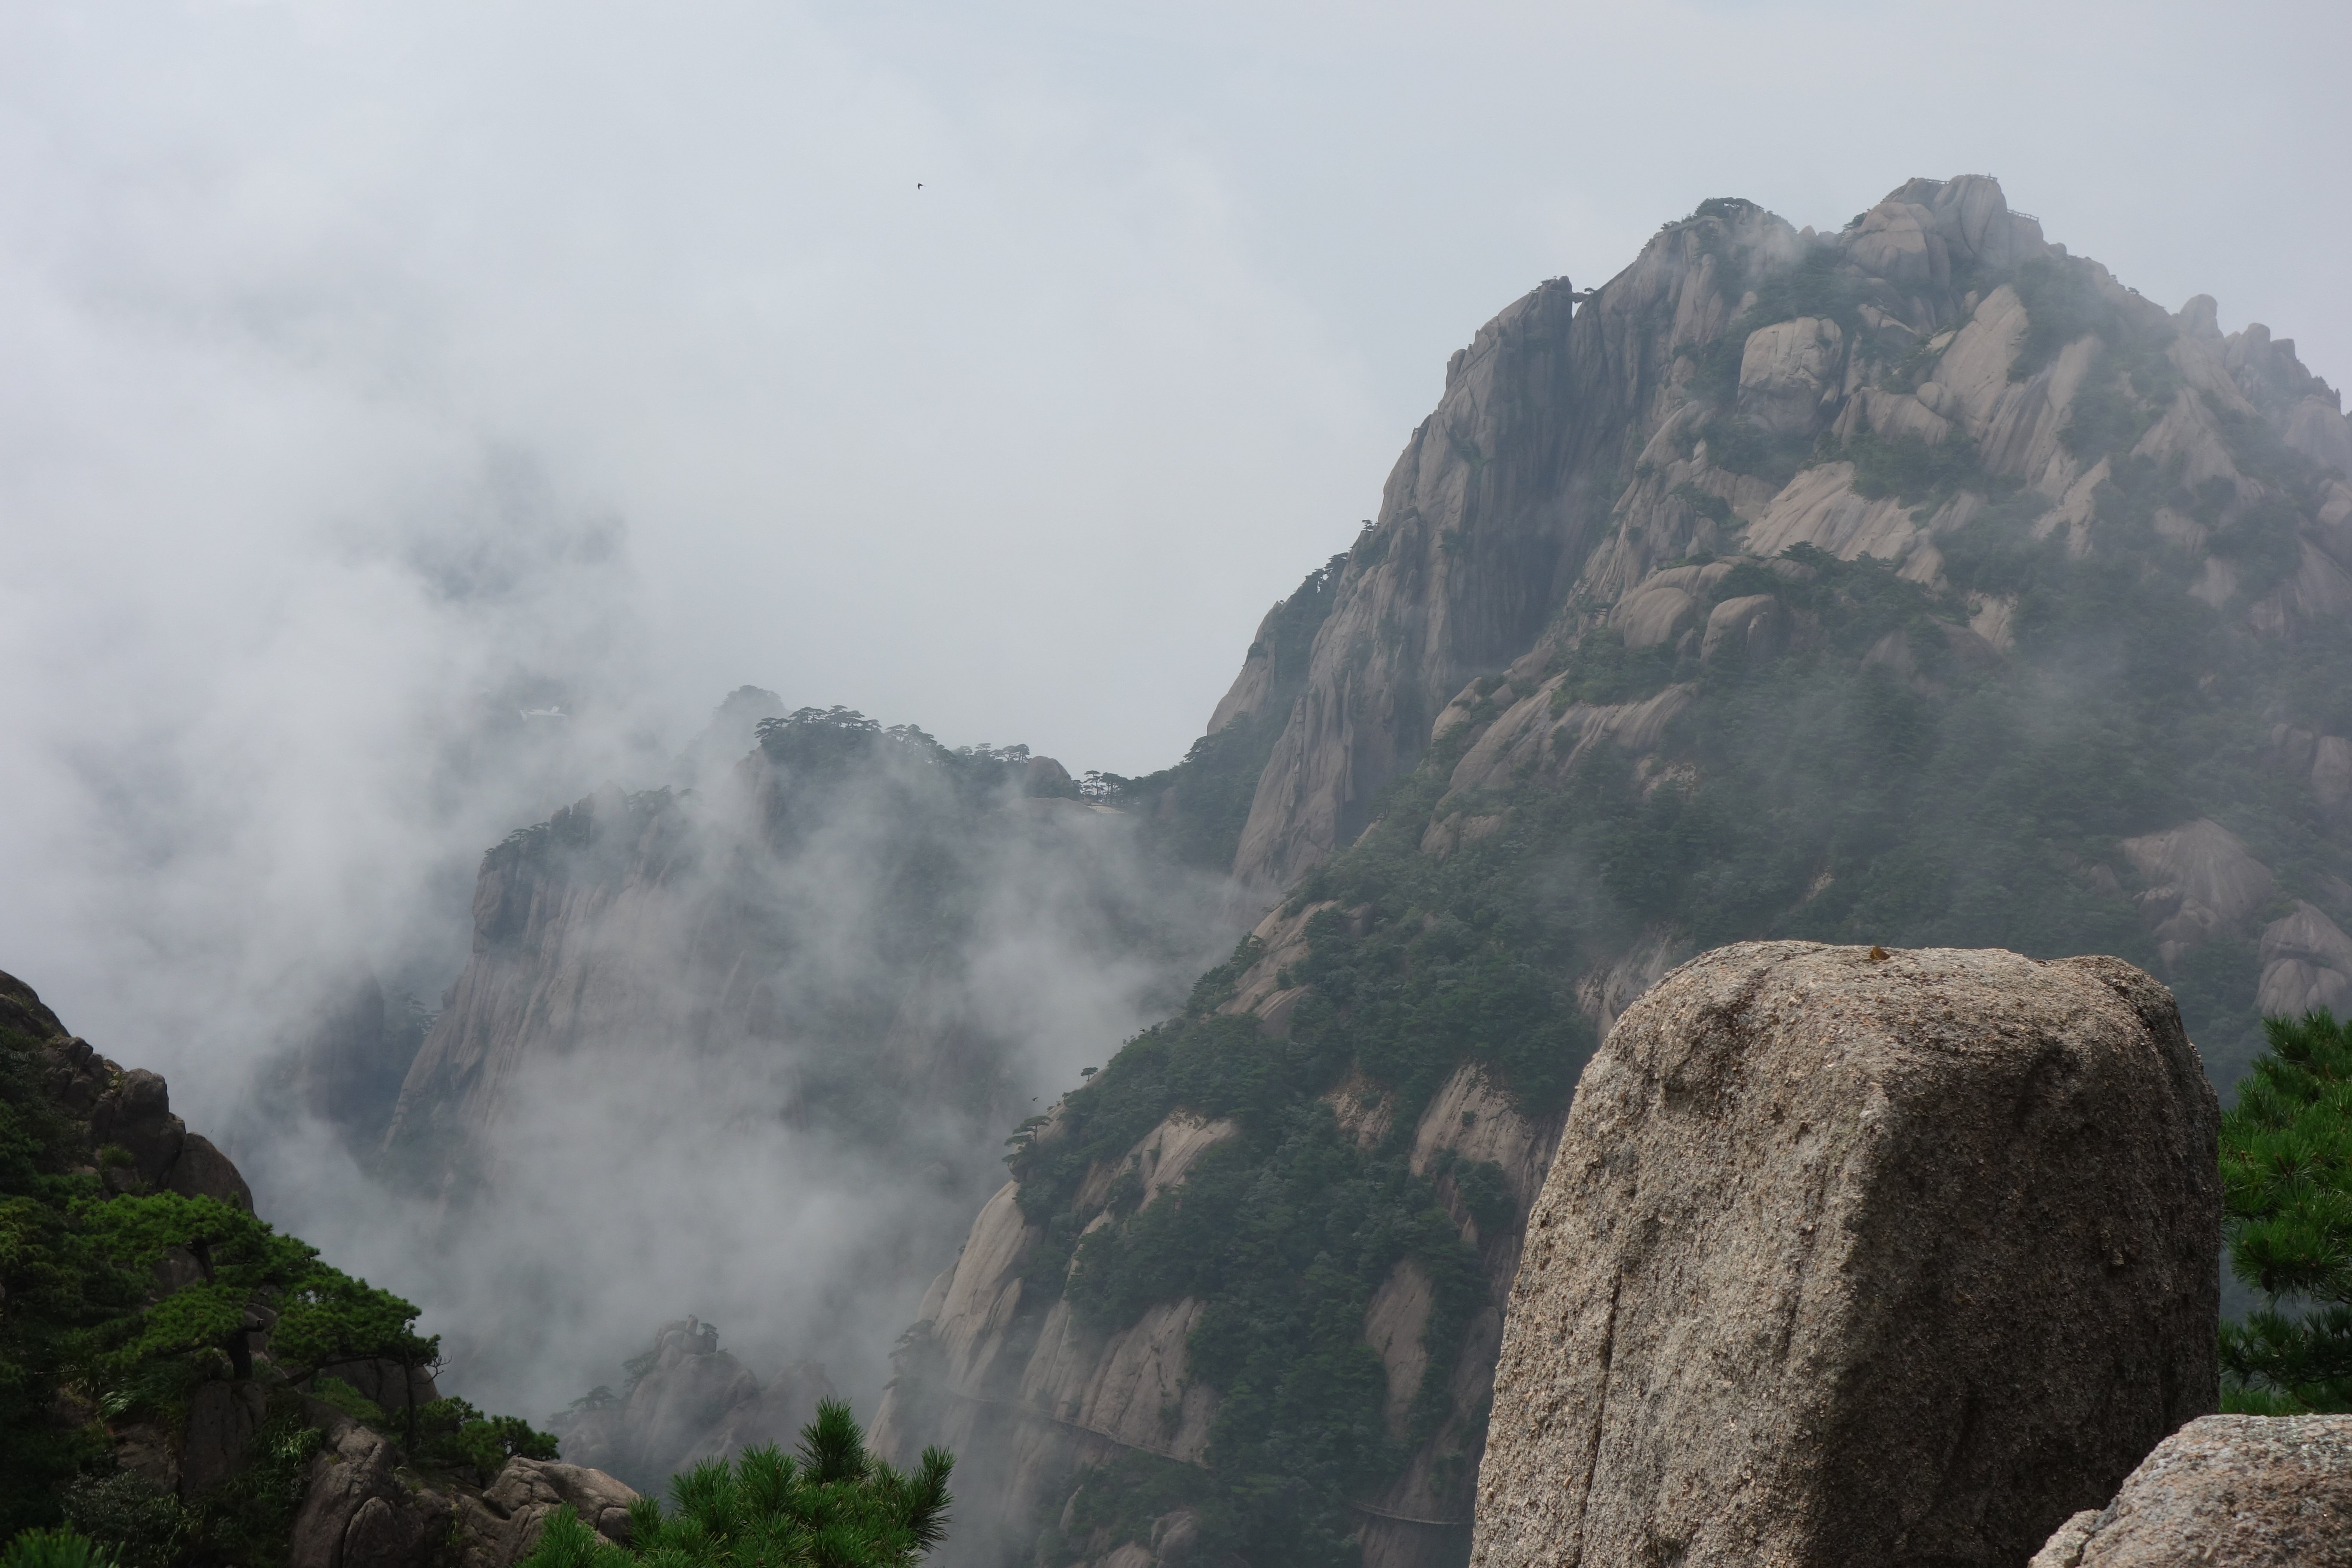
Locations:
361 1508
1849 1258
2226 1491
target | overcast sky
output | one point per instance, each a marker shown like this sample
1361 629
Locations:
988 367
1024 453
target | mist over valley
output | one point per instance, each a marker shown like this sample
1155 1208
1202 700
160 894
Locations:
653 692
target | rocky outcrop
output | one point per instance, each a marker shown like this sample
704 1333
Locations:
1033 1400
126 1110
2200 881
1871 474
1030 1399
499 1527
2307 964
217 1442
361 1508
355 1513
1850 1258
362 1503
855 903
688 1400
1482 525
2225 1491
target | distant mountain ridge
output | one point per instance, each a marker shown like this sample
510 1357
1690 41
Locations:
1918 584
1915 584
1507 529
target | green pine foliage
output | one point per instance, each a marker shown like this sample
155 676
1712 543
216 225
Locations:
60 1293
142 1524
2286 1176
148 1356
55 1548
91 1339
451 1434
832 1505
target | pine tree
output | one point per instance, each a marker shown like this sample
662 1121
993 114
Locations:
834 1505
2286 1175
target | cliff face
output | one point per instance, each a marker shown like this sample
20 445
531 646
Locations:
1570 461
171 1390
839 906
840 971
1918 584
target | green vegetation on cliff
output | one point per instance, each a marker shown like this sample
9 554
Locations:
126 1308
1283 1232
834 1505
1884 781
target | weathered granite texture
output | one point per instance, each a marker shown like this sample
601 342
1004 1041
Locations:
2226 1491
1851 1258
502 1526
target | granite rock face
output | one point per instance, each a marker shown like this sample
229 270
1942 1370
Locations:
130 1110
2226 1491
1033 1403
499 1527
1567 471
360 1510
355 1513
1857 1260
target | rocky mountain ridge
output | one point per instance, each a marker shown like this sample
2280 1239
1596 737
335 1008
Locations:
1507 530
1918 584
849 958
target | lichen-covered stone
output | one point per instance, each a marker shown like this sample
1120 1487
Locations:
2226 1491
1849 1259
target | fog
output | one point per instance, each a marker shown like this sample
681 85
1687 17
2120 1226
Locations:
377 375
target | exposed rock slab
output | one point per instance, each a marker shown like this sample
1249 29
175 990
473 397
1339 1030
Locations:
2201 883
1855 1261
222 1420
355 1512
502 1526
2226 1491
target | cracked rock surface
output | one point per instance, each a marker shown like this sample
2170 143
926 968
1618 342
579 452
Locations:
1847 1260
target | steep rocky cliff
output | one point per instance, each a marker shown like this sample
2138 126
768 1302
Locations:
1915 583
836 901
182 1384
839 967
1737 390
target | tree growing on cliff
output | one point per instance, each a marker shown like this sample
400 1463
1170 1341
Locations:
834 1505
2287 1174
319 1315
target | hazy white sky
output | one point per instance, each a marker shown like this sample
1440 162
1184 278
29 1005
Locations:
356 360
1020 455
